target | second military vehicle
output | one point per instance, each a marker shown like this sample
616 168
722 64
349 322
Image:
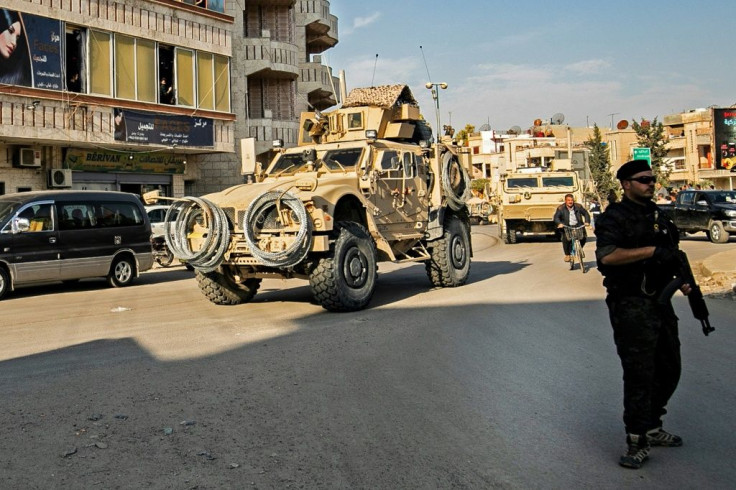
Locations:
528 199
363 186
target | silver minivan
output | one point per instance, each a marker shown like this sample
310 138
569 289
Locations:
49 236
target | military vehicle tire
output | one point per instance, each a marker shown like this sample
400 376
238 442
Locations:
344 280
510 236
450 262
221 288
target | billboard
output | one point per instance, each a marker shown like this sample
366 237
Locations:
146 127
30 50
724 133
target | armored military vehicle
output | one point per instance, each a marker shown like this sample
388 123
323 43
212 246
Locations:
528 199
362 186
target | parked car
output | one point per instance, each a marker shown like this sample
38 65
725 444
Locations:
711 211
49 236
156 215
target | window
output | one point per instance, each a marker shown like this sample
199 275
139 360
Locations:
75 68
355 120
135 63
557 181
145 67
521 182
124 67
100 63
184 77
342 159
119 214
76 216
222 83
205 80
389 160
39 216
410 165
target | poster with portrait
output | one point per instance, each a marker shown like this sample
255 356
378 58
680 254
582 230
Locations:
30 50
724 126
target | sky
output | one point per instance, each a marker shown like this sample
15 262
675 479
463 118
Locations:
509 63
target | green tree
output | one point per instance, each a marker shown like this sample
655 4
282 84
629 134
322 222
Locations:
464 134
600 165
651 135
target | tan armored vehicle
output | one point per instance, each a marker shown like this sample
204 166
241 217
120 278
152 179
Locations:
361 187
528 199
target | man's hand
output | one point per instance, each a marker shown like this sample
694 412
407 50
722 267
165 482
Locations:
686 289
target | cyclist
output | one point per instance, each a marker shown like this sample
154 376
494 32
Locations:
572 214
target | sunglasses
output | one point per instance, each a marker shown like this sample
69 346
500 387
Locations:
644 180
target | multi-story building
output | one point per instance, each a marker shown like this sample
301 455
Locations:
156 94
494 154
701 146
112 95
277 73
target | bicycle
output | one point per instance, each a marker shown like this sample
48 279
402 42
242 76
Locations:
574 234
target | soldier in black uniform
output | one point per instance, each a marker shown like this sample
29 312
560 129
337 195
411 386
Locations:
635 246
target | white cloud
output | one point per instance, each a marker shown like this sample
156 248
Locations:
360 22
588 66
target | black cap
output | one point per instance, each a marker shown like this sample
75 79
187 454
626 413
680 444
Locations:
632 167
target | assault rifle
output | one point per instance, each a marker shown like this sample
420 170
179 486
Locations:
684 275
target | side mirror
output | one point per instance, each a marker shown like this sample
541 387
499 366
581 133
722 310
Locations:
21 225
702 203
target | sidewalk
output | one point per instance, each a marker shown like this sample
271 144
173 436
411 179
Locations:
718 272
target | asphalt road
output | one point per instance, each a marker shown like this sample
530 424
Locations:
510 381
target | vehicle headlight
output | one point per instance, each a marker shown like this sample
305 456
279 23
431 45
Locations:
731 213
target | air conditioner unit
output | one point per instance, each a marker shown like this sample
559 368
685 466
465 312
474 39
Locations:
60 177
28 157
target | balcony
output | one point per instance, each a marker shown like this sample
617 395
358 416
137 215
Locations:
317 82
264 55
320 26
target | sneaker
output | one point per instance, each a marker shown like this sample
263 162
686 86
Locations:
637 452
567 258
660 437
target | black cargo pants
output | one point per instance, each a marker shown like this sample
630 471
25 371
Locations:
648 345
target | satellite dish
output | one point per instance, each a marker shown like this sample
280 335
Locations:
558 118
515 130
537 122
622 124
485 127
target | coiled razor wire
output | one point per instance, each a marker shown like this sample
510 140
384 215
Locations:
190 212
455 201
257 212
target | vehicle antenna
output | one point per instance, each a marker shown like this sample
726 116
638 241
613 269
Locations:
425 64
375 62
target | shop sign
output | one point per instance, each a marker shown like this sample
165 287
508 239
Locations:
112 161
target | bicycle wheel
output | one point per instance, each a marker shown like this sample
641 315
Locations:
573 253
581 257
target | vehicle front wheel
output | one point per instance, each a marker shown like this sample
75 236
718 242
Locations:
4 282
222 288
717 233
450 262
122 272
344 280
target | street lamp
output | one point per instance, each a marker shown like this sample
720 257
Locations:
435 95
